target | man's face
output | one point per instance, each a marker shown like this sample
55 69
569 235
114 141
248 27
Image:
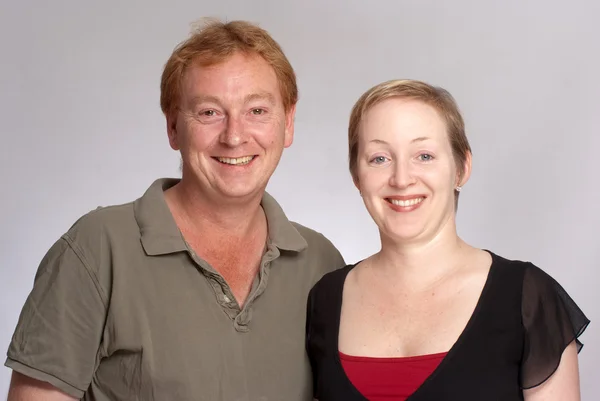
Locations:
231 127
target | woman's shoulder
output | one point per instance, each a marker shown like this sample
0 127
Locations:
525 269
550 318
505 262
325 299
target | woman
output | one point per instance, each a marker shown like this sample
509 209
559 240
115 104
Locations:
430 317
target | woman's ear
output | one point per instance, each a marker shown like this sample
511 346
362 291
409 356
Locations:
462 179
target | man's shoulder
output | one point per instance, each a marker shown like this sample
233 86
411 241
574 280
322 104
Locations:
106 220
311 236
96 238
320 247
316 241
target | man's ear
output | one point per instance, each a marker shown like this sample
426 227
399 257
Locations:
290 117
356 183
172 130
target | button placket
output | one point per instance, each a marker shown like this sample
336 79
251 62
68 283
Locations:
243 319
227 298
270 256
224 294
241 316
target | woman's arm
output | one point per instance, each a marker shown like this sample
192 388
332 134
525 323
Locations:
563 384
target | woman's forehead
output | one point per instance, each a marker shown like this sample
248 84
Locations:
405 120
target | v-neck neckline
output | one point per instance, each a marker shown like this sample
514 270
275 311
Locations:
451 352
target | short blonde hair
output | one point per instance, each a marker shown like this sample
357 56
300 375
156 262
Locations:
436 97
213 43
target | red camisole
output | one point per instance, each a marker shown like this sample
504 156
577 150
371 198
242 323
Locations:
389 379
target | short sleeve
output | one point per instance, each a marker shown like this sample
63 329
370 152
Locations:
552 320
61 324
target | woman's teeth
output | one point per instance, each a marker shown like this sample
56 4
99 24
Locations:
406 203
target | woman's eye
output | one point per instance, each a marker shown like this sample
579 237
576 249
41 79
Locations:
426 157
379 159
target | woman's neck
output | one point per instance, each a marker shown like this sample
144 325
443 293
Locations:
419 264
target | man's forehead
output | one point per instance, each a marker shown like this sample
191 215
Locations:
246 77
233 64
258 95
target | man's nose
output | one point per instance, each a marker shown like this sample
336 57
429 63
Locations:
233 134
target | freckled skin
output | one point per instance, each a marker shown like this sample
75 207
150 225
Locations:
404 150
232 109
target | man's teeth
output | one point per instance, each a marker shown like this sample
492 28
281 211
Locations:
406 203
236 161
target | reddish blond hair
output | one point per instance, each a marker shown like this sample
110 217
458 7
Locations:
213 43
436 97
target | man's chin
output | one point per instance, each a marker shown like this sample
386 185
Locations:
240 193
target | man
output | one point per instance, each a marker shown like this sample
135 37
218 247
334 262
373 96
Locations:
197 290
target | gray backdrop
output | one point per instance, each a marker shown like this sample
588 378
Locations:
81 123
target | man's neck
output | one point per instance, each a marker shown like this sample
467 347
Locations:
200 214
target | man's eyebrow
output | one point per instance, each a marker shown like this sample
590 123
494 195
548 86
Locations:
249 98
260 96
205 98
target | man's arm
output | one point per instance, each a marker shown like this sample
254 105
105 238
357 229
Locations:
60 327
563 384
24 388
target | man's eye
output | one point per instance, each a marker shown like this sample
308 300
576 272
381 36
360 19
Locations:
258 112
208 113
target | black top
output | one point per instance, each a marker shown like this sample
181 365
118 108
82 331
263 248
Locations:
522 323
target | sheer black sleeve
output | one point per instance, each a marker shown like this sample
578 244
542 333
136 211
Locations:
552 320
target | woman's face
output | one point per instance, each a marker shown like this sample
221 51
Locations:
406 170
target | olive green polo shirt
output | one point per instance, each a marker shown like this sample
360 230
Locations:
122 309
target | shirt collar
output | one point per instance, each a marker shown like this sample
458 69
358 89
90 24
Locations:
160 234
282 232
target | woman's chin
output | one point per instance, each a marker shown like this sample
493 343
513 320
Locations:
404 235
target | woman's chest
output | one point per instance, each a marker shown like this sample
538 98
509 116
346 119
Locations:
376 326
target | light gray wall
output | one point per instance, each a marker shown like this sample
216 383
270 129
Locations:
81 124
